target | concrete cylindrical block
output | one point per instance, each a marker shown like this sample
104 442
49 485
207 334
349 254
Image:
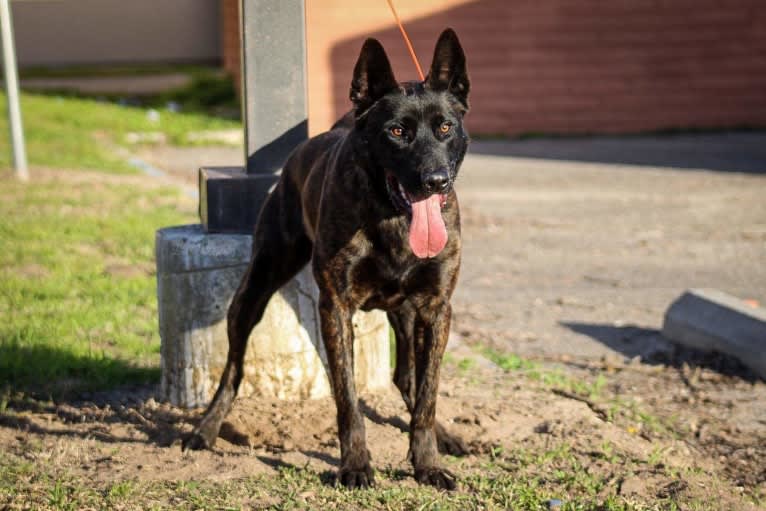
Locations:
197 275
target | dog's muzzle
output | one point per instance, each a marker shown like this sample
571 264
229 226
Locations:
437 182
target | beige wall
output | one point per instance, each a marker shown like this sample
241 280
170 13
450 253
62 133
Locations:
60 32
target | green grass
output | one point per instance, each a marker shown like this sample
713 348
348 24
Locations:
593 389
465 365
391 348
209 90
522 480
550 376
77 290
66 132
507 361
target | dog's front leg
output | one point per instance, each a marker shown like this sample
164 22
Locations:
403 323
338 335
432 330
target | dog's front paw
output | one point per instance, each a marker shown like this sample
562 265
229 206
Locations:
357 478
194 442
436 476
198 440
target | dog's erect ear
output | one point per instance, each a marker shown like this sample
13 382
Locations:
448 71
373 76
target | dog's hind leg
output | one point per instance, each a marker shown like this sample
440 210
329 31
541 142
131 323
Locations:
403 323
280 249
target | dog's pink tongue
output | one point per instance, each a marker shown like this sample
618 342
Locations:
427 232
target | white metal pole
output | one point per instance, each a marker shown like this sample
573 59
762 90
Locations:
12 92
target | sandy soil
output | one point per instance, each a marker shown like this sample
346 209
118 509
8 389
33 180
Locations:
705 439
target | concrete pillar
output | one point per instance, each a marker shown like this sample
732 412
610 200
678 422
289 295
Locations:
197 275
274 81
199 267
274 110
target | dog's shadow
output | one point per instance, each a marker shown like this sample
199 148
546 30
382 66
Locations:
326 477
392 420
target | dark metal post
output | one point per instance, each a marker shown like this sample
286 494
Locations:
274 113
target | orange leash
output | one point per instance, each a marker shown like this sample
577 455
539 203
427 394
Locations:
407 40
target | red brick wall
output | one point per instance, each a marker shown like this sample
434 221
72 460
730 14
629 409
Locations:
563 66
230 43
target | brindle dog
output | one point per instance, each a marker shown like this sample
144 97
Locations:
371 205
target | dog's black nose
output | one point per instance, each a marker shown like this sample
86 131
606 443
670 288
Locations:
436 181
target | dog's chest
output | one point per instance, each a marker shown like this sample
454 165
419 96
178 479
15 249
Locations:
381 282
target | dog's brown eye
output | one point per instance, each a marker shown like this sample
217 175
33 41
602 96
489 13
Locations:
397 132
445 127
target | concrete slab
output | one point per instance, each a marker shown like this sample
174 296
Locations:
197 275
710 320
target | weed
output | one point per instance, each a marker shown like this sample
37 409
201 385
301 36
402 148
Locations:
607 452
508 362
5 396
120 491
465 365
58 496
657 456
391 348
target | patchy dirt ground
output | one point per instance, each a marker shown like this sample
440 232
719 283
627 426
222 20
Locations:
691 436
